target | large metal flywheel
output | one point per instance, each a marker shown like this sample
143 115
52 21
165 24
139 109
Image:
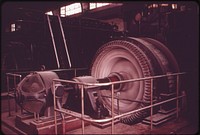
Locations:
132 58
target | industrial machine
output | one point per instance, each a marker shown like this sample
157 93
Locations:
118 60
130 75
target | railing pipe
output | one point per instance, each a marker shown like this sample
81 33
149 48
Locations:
116 82
112 110
82 111
89 119
151 91
83 117
54 99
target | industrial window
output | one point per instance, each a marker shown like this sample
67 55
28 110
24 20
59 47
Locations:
12 27
97 5
70 9
49 13
161 5
174 6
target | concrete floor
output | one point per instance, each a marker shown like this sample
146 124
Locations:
176 126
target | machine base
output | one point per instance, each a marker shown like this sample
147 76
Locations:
45 125
161 117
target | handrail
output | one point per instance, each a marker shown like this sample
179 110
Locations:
89 119
60 69
83 117
12 74
117 82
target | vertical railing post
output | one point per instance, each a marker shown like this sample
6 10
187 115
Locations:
35 115
54 100
82 109
118 93
63 126
38 116
15 85
8 88
112 108
151 103
75 72
177 89
20 78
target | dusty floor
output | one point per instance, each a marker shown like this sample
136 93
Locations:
175 126
179 126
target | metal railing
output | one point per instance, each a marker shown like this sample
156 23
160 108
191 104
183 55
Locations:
12 91
84 117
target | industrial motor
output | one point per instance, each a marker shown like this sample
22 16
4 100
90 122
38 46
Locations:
34 92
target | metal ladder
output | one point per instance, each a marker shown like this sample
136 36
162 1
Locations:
59 42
